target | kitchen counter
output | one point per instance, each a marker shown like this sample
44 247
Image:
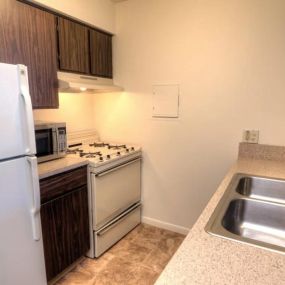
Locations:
57 166
206 259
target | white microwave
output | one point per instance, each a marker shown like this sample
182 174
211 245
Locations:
50 140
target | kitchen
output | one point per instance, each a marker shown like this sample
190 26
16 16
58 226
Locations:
227 58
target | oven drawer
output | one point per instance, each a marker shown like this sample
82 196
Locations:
116 229
114 190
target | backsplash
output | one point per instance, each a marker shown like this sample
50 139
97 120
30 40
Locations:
261 151
74 109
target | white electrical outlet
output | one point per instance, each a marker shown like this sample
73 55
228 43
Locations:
251 136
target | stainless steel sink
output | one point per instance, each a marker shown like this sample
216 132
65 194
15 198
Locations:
252 210
256 220
262 188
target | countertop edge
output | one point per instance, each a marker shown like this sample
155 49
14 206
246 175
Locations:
207 259
50 168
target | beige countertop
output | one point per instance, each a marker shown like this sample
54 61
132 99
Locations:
206 259
57 166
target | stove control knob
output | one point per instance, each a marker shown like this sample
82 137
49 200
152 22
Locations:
118 153
108 156
101 158
132 148
127 150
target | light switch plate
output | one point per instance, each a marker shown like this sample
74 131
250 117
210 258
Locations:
251 136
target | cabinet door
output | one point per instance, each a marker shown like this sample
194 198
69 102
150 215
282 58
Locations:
10 47
73 46
65 226
38 41
28 36
101 54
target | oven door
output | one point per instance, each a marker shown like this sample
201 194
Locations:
46 144
114 190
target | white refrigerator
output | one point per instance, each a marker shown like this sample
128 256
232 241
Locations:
21 246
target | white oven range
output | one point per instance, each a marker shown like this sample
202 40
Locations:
114 188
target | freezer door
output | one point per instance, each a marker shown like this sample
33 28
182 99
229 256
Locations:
21 247
16 115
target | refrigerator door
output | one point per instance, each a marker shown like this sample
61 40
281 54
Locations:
16 116
21 246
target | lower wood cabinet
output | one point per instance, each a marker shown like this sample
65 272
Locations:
65 222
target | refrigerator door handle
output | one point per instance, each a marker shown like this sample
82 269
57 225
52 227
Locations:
28 108
35 210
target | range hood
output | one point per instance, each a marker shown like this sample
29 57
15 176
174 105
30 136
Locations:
78 83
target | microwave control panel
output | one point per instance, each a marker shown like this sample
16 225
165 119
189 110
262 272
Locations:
61 139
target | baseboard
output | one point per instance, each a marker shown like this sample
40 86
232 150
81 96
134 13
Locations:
166 226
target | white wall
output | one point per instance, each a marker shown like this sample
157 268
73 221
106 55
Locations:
229 58
99 13
74 109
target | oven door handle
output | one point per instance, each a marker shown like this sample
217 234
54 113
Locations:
100 174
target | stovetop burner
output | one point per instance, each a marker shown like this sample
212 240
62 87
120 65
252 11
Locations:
99 152
99 144
107 145
90 154
116 146
74 151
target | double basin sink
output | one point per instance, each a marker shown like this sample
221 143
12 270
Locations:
252 210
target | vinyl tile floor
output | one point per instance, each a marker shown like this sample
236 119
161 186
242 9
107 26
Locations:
137 259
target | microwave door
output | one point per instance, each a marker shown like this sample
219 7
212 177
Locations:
46 143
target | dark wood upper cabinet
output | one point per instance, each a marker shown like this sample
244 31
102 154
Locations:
10 46
101 54
28 36
73 47
38 40
84 50
46 42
